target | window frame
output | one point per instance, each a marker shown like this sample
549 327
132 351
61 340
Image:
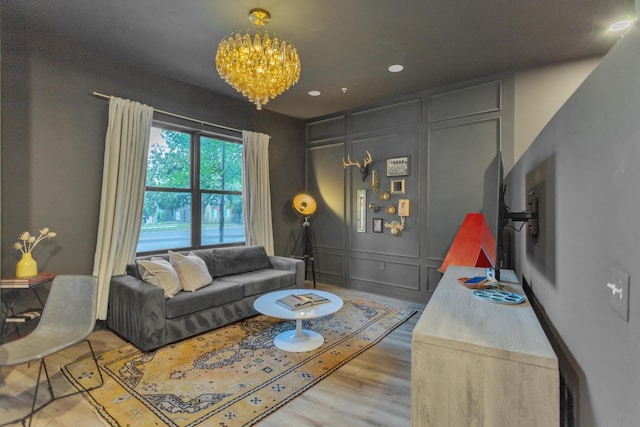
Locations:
194 185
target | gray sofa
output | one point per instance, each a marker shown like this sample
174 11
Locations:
140 313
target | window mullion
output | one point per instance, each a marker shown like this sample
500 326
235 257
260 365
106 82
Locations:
196 205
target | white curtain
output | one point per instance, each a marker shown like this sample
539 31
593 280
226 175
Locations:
256 190
123 182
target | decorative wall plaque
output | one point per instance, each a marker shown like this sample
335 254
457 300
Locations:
398 166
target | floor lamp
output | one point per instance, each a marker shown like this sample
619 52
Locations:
305 205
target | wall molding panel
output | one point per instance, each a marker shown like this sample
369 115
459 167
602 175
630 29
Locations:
449 148
392 116
402 275
325 130
455 191
329 263
469 101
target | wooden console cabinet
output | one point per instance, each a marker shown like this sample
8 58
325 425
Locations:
479 363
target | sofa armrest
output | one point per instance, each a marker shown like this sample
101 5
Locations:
137 312
291 264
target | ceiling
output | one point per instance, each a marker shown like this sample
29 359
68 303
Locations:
341 43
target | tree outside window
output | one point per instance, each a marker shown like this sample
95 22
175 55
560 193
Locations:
183 167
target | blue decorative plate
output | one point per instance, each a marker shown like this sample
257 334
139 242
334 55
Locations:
498 296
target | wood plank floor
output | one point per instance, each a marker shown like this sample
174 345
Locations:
374 389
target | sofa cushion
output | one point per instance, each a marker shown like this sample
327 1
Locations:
217 293
262 281
191 269
160 272
205 254
236 260
133 271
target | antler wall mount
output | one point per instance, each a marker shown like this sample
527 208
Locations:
364 167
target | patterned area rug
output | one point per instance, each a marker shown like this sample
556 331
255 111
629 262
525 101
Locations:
232 376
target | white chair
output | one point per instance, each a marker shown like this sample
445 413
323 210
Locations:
68 317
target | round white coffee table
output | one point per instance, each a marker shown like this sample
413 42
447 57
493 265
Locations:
299 339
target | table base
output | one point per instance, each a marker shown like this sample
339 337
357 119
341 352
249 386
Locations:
298 340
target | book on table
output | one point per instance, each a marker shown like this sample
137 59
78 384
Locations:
25 316
26 282
300 301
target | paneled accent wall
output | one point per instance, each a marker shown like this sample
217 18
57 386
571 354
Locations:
458 156
451 138
325 181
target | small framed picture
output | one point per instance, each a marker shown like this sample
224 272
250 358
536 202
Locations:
398 166
397 186
377 225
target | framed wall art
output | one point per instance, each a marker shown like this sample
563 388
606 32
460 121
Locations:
377 225
398 166
397 186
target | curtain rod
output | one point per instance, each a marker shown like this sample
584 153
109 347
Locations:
167 113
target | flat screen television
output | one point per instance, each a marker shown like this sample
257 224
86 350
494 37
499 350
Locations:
493 206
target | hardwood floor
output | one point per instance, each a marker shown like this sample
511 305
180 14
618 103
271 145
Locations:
374 389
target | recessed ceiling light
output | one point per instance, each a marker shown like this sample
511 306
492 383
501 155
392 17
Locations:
620 25
314 93
396 68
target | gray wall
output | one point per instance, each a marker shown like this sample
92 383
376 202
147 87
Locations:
584 165
53 132
452 137
540 92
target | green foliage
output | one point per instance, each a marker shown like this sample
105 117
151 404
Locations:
220 165
157 201
168 166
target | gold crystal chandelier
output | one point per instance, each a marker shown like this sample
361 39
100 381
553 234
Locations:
261 67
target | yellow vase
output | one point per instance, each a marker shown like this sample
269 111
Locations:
27 266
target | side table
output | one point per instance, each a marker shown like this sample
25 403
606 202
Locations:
20 284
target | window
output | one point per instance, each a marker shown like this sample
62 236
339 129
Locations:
187 166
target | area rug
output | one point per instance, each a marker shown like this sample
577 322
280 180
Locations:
232 376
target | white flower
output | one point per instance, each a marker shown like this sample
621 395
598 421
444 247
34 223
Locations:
29 242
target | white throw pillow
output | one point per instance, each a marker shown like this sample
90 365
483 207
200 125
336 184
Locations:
191 269
160 272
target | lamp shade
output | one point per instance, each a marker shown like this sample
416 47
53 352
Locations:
304 204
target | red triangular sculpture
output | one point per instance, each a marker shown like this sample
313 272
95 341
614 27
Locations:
473 246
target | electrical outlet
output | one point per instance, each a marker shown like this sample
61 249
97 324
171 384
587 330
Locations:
618 289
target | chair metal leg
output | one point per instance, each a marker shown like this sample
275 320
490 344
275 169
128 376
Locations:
95 360
46 372
42 367
35 393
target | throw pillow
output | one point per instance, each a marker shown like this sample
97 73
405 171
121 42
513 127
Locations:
239 259
191 269
160 272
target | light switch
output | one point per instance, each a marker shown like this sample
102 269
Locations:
618 289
